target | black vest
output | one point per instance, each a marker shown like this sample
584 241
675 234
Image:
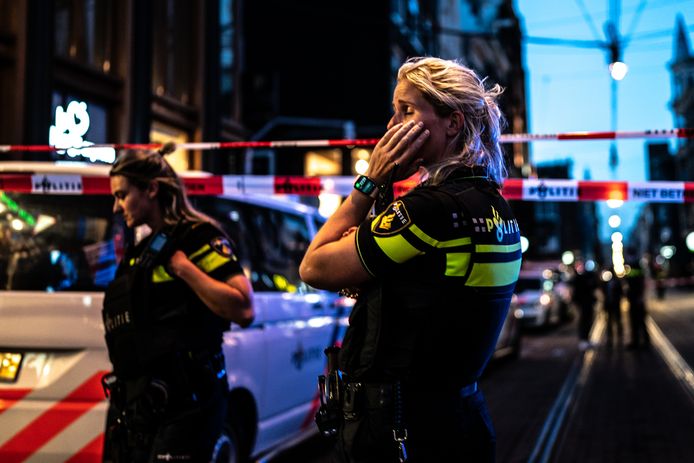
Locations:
146 334
410 328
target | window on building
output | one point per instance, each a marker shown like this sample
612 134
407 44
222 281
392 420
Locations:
227 55
175 48
84 32
180 159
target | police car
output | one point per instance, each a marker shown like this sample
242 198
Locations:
59 247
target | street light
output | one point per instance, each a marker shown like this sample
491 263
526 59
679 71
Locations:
618 70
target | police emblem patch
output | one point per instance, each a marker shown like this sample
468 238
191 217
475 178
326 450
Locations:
222 246
392 221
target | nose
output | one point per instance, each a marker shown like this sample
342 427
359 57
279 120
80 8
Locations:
391 122
116 206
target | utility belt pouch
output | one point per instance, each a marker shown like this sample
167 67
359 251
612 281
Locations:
353 402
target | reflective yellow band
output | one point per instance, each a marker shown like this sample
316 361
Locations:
494 274
498 247
160 275
423 236
397 248
436 243
457 263
456 242
199 251
211 262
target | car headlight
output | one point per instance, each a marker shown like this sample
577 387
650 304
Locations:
9 366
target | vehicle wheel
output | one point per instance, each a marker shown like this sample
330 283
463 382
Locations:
226 449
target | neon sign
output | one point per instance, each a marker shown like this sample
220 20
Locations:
71 125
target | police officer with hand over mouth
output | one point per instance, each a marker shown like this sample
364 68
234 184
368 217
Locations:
433 273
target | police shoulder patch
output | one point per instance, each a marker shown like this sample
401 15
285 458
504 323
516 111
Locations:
392 220
222 246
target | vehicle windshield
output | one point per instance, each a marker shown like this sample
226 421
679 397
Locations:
58 242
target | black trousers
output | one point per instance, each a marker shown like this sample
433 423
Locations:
183 432
441 427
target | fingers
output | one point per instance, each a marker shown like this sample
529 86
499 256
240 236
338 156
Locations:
410 143
399 145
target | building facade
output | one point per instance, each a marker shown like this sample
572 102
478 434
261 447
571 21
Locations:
227 70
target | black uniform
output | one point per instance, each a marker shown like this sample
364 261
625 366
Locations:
168 388
636 293
446 259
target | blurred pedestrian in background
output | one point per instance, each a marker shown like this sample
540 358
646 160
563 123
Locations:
612 301
636 293
584 286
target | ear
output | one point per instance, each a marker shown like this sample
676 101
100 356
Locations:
455 123
152 189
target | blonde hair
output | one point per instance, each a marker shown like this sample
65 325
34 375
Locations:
450 86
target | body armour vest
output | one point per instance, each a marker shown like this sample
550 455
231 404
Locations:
436 317
146 324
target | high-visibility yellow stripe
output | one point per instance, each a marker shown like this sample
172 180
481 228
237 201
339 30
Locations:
423 236
456 242
199 251
494 274
211 262
419 233
397 248
160 275
498 247
457 263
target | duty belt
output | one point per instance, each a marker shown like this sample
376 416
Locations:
381 395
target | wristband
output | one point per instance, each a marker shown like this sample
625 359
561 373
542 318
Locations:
367 186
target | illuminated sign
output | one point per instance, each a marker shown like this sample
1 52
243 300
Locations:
14 207
71 125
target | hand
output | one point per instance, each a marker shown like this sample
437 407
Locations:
400 145
178 263
349 231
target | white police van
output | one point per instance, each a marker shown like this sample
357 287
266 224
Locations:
59 247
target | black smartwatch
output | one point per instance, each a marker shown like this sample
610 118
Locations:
366 186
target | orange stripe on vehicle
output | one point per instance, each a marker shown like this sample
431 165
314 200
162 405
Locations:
54 420
90 453
9 397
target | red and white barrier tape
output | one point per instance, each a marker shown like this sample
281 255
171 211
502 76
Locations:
514 189
506 138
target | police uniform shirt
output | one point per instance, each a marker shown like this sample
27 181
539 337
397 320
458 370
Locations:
446 268
176 315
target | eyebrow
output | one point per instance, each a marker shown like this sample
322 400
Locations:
403 103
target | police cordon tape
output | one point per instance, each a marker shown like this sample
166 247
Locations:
505 138
513 188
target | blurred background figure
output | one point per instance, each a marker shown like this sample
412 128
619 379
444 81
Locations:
584 285
612 300
635 292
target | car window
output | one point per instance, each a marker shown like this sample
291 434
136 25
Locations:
270 243
58 242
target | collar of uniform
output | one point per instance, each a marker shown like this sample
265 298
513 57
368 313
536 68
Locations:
470 172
